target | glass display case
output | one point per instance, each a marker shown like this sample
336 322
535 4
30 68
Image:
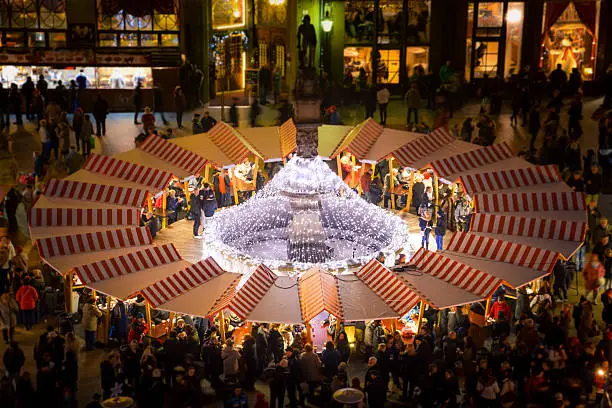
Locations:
97 78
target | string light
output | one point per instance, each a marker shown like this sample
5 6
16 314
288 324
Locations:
305 216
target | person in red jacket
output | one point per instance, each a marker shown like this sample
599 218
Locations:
500 312
27 296
138 330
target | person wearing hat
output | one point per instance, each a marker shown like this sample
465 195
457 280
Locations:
374 386
139 329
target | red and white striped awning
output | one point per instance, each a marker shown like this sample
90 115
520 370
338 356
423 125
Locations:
360 140
49 222
503 251
450 168
455 273
414 151
318 291
99 193
288 134
150 178
529 202
242 297
169 152
65 252
228 140
496 181
394 291
173 286
125 275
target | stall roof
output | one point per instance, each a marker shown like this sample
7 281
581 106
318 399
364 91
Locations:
281 303
530 202
98 193
360 139
128 274
117 172
390 140
231 142
204 147
329 138
318 291
359 302
63 253
288 138
451 167
436 292
138 156
521 179
265 140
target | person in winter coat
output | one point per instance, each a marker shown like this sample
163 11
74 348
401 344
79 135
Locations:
138 329
85 135
119 320
440 229
593 275
278 384
231 360
13 360
374 385
330 357
63 134
562 280
180 105
594 183
8 316
413 103
196 203
310 365
276 343
100 111
425 223
27 297
91 314
209 205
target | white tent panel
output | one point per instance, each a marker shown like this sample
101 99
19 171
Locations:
359 302
436 292
279 305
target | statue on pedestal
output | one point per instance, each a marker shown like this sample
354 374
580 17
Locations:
307 43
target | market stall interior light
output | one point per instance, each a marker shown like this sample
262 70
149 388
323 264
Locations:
327 23
276 2
514 16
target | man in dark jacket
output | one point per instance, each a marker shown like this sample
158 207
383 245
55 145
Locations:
4 108
561 280
440 229
233 113
100 110
276 343
295 377
27 90
158 102
197 200
208 122
374 386
594 182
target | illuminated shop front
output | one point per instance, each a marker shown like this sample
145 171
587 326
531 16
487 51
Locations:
569 36
229 44
398 39
494 39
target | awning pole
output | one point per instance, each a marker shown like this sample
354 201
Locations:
487 309
339 164
164 215
409 198
207 172
337 333
150 203
187 195
391 183
436 191
68 292
170 322
222 325
308 332
421 310
235 185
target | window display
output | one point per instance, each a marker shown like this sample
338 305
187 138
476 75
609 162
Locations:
390 21
570 39
417 28
271 13
23 22
389 67
100 77
486 56
417 58
359 21
514 38
358 62
228 14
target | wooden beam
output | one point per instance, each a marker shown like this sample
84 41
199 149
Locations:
436 187
68 292
187 195
164 215
207 173
235 185
421 311
150 203
337 332
222 325
487 309
171 321
391 183
339 164
148 312
409 198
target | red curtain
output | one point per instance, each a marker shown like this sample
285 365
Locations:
110 7
587 10
137 8
165 6
553 12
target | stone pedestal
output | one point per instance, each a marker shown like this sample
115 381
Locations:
307 112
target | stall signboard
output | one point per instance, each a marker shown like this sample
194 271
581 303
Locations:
66 58
123 59
7 58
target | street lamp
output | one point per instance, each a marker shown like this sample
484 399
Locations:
327 23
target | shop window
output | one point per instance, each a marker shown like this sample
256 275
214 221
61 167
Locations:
169 40
57 40
14 39
359 21
390 21
263 53
123 77
280 57
108 40
417 28
486 59
228 14
389 67
128 40
417 60
570 33
136 25
358 63
271 12
229 58
36 39
468 42
514 38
